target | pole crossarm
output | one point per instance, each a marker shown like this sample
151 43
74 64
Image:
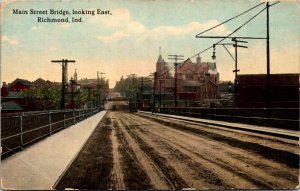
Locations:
64 76
236 37
176 58
63 60
240 46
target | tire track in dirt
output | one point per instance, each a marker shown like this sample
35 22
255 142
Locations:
157 178
266 140
135 178
92 167
281 156
170 174
194 173
117 174
219 173
257 181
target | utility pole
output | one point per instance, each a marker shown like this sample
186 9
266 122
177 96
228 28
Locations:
101 88
72 83
176 58
236 70
236 67
268 84
89 96
142 91
268 97
133 77
64 64
154 87
160 82
98 90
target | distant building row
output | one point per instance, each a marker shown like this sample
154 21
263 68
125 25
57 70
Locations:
12 99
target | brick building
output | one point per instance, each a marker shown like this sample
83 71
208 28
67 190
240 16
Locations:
11 97
195 81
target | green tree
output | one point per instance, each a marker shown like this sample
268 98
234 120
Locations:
42 98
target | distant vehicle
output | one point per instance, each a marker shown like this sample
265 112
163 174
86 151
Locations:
132 106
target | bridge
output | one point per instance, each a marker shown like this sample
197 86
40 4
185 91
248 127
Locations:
115 101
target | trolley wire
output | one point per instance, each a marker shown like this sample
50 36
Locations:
231 18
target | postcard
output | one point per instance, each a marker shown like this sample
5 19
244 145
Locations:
149 94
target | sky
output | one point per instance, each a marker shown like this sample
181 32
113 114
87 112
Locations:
128 40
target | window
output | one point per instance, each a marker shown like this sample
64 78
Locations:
189 75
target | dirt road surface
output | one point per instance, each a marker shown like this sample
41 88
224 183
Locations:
134 151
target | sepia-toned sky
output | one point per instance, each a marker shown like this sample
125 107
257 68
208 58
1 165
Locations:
128 41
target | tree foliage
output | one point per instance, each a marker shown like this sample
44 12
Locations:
128 87
42 98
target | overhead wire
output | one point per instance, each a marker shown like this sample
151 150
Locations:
231 18
228 34
232 32
242 25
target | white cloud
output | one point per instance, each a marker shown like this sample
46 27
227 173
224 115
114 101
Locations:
120 17
52 49
36 28
6 39
190 28
65 25
126 27
282 59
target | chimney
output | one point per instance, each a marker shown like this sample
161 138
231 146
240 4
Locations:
198 59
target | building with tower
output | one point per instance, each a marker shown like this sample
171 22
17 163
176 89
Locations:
195 81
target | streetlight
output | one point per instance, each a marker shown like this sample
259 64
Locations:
73 83
235 45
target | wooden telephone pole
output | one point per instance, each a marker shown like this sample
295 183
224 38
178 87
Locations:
64 64
176 58
101 86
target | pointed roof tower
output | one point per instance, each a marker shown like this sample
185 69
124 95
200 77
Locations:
161 63
75 76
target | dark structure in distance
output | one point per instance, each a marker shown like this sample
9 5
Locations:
284 91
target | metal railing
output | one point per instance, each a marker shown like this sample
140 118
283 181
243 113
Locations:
285 118
17 131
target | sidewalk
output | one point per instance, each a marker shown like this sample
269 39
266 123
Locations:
39 166
240 126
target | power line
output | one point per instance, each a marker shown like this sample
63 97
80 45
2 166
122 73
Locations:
223 38
231 19
242 25
166 71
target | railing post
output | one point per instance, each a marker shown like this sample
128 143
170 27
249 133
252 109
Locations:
74 117
64 119
21 132
50 125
